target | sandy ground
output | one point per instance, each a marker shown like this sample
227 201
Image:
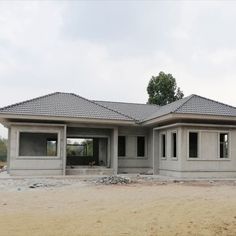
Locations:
146 208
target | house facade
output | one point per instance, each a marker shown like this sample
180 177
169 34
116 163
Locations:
66 134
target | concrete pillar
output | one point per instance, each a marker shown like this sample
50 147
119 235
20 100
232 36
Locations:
155 152
8 149
114 150
64 150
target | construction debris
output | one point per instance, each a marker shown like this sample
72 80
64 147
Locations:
113 180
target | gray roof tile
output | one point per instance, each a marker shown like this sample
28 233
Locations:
135 110
63 105
195 104
74 106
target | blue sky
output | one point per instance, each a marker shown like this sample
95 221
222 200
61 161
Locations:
108 50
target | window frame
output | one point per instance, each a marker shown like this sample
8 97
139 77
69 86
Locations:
145 147
41 131
229 148
198 144
52 140
124 148
176 144
161 145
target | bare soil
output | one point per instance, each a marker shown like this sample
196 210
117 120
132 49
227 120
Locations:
146 208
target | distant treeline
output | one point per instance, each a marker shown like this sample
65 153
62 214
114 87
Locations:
3 149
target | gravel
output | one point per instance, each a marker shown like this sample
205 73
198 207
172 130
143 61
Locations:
113 180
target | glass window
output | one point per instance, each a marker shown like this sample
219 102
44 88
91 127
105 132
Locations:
224 145
163 145
80 147
140 146
193 144
121 146
38 144
173 144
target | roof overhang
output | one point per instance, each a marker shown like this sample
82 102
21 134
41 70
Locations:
7 118
196 117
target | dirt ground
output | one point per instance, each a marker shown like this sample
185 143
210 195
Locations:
135 209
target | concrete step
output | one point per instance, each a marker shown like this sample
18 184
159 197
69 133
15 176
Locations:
89 171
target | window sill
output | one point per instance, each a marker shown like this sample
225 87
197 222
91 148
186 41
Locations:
163 158
38 157
174 158
201 159
133 158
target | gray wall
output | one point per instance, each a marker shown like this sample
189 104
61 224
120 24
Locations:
34 165
131 163
208 163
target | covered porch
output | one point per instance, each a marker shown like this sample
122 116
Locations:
91 151
44 149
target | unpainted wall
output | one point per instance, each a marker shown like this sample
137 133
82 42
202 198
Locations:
131 163
168 164
34 165
208 163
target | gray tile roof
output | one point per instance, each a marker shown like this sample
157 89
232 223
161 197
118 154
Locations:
73 106
135 110
64 105
195 104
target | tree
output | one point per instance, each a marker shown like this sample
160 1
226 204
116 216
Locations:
3 149
162 89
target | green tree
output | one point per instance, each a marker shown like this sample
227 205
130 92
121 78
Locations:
3 149
162 89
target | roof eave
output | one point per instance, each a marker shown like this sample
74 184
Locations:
4 117
173 116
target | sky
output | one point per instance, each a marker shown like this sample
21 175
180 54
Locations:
108 50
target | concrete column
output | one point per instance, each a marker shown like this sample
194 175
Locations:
8 149
155 152
114 150
64 150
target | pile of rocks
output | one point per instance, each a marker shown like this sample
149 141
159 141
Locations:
4 168
113 179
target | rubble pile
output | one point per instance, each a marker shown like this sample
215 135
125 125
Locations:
113 179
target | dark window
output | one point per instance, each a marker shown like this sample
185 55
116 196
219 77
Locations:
193 144
174 147
121 146
38 144
224 145
140 146
163 145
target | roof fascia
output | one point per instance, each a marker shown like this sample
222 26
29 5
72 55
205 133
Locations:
188 116
194 124
3 118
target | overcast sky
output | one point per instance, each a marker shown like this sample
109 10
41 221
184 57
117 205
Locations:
108 50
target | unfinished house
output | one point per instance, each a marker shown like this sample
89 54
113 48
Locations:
66 134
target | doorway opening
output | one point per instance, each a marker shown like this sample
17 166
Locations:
87 151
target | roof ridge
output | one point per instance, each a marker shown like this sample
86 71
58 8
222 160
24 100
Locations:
127 103
28 100
92 101
187 99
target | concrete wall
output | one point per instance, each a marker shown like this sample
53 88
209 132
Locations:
35 165
131 163
208 164
168 164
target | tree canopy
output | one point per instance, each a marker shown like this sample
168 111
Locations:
3 149
162 89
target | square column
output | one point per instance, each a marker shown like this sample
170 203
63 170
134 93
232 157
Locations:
155 152
114 150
